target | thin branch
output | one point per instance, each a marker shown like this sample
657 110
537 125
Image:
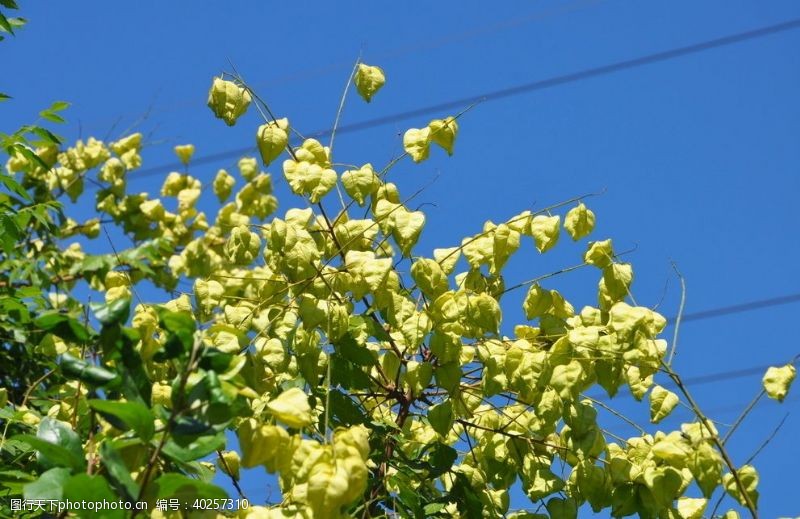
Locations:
680 315
340 111
768 440
750 407
234 480
715 439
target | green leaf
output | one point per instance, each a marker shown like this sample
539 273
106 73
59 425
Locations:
354 352
11 4
114 312
463 495
56 444
345 410
5 25
64 326
14 186
51 113
441 459
118 472
202 446
48 136
49 485
127 415
73 367
441 417
83 487
215 360
3 96
26 152
181 326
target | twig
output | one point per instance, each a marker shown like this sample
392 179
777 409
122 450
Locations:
234 481
769 439
715 439
680 315
340 111
750 407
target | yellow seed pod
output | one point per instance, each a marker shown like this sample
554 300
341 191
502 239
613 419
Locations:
369 80
91 228
152 209
131 142
291 408
417 143
223 185
230 463
161 394
444 132
248 167
243 246
272 138
116 279
184 152
228 100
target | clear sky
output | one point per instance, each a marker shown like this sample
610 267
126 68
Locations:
698 156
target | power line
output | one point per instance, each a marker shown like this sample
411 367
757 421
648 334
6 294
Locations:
523 88
743 307
404 50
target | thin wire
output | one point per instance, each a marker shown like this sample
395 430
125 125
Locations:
523 88
417 47
740 308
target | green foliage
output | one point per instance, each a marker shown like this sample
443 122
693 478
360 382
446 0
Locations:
368 386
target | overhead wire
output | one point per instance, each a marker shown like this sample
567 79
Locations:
512 91
420 45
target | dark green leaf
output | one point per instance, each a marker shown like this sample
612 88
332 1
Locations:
49 485
465 498
27 153
11 4
180 340
190 429
64 326
354 352
5 25
114 312
179 323
118 472
215 360
441 459
52 454
344 373
47 135
345 410
84 487
73 367
202 446
14 186
128 415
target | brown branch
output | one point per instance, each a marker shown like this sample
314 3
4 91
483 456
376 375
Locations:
714 438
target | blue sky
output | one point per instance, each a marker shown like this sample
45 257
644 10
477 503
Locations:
697 156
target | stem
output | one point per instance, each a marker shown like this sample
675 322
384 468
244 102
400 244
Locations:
680 315
234 481
151 463
714 438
